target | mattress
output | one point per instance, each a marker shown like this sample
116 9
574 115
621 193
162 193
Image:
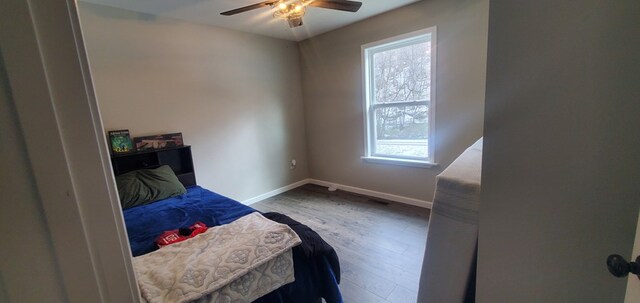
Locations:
449 262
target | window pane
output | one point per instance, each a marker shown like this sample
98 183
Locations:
402 74
402 131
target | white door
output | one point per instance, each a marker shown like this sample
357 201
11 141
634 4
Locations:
561 158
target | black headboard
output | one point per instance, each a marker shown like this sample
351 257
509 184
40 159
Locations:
178 158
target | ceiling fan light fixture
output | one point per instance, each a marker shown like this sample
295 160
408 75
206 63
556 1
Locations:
289 10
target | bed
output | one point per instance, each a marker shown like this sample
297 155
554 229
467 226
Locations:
315 263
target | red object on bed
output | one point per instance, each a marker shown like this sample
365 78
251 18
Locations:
174 236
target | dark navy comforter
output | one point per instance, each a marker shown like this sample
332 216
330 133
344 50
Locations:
317 270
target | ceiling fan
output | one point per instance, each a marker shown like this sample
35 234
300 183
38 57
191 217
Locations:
293 10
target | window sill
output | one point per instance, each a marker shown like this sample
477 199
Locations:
401 162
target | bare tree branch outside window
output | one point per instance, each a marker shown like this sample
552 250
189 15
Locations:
402 75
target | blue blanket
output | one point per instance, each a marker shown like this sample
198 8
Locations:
315 275
145 223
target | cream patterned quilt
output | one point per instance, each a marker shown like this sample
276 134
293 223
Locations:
237 262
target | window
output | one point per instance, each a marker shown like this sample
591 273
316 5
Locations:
400 99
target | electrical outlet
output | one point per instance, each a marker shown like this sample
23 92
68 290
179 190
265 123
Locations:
292 164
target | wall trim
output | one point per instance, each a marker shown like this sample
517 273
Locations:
347 188
275 192
375 194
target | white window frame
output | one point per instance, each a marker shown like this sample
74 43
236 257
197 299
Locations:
368 51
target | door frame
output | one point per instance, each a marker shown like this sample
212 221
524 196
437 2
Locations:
50 80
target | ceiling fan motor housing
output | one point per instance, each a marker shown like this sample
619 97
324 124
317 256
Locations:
295 22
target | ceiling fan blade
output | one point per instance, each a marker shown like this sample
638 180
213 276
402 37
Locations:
247 8
341 5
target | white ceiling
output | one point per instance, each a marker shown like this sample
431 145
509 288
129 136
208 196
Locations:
260 21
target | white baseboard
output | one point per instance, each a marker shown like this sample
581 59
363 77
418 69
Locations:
352 189
376 194
275 192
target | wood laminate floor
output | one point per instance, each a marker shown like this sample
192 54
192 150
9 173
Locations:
380 244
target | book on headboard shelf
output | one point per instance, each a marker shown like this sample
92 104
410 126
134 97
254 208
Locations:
157 142
120 142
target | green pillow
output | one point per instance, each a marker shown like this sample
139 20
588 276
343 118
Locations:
146 186
131 190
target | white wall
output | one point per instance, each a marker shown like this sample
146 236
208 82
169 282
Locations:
562 138
333 94
236 97
28 267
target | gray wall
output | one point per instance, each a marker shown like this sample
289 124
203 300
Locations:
236 97
562 139
28 266
333 94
